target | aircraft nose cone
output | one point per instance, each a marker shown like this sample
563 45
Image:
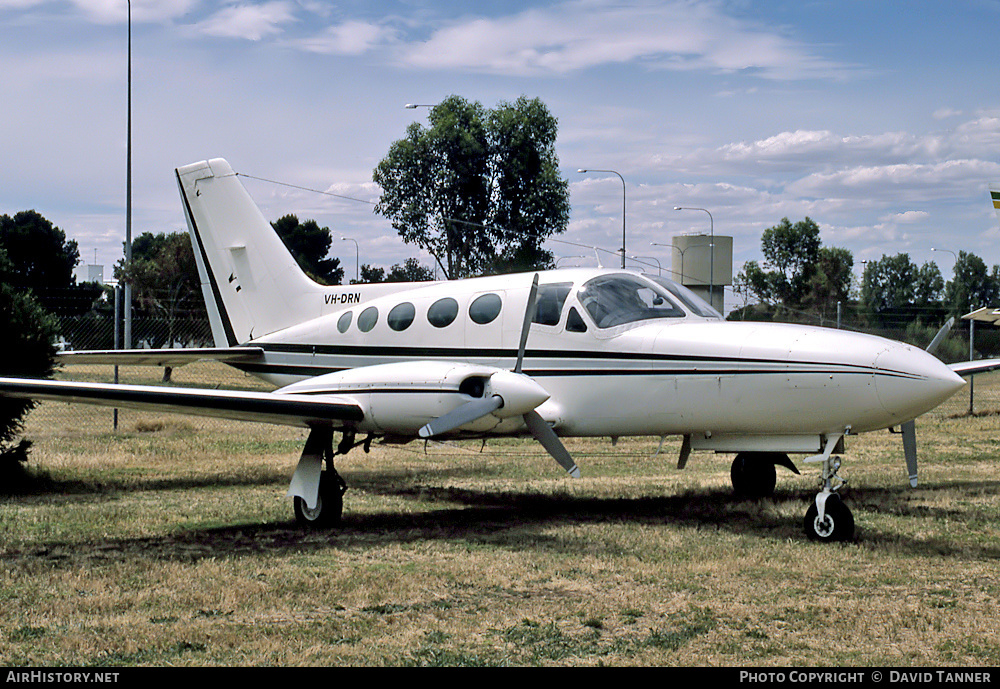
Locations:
911 382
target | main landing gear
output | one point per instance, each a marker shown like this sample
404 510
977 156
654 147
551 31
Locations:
316 475
753 473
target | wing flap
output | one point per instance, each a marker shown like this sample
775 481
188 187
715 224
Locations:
267 407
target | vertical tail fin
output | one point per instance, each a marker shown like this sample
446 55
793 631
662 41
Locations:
251 283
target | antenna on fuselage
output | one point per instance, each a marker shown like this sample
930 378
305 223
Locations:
597 253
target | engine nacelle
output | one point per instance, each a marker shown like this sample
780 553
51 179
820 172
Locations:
401 398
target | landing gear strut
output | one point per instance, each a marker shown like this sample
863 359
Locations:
316 475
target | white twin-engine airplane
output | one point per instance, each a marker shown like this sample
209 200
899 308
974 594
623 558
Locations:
572 352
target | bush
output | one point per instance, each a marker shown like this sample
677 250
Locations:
27 350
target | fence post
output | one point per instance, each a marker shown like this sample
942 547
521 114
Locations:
972 378
118 345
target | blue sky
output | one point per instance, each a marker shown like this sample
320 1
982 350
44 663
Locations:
879 120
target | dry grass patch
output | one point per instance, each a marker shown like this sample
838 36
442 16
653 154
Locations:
169 543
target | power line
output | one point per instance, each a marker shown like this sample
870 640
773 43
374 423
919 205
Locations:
501 230
301 188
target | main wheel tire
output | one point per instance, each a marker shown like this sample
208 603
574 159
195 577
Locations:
837 524
329 507
753 475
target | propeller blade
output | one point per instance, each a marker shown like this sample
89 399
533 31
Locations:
467 413
941 334
550 441
529 315
909 430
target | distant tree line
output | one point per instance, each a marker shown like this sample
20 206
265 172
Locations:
800 280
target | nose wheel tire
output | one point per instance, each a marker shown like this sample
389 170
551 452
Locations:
836 525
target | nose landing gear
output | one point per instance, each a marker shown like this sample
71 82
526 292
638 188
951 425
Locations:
828 518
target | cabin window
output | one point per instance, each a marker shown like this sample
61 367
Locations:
344 322
549 304
367 319
443 312
401 316
575 322
618 299
485 309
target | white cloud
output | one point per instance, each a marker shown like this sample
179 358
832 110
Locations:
580 34
945 113
250 22
349 38
114 11
904 183
907 217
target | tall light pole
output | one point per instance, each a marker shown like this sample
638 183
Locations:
128 193
711 260
586 170
357 258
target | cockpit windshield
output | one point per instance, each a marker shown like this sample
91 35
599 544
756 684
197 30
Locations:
689 299
617 299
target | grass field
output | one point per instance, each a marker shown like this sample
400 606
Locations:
170 543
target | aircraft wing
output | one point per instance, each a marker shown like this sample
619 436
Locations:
967 368
267 407
160 357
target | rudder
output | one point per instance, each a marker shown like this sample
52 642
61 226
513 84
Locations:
251 283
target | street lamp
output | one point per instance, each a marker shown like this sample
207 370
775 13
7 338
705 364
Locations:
711 260
561 258
586 170
659 267
947 251
357 258
676 248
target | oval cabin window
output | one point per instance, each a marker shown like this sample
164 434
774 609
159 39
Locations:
344 322
485 309
401 316
443 312
367 319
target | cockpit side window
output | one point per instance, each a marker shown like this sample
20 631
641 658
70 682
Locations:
549 304
617 299
575 322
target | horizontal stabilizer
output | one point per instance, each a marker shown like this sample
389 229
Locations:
241 405
161 357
